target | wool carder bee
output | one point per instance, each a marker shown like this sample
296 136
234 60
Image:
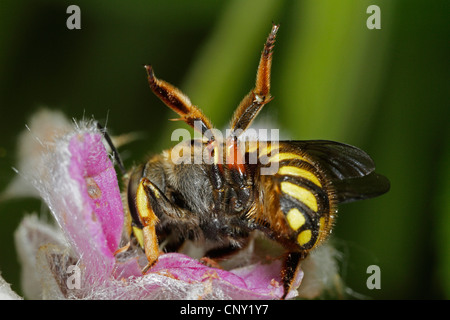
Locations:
225 197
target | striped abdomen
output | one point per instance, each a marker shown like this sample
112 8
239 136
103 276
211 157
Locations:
296 198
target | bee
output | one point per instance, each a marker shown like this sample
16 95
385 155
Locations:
225 198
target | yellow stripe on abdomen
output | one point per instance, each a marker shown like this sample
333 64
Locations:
299 172
300 193
295 219
264 151
286 156
304 237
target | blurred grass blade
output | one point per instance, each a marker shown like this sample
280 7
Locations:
332 69
218 78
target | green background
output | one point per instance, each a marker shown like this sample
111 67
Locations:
386 91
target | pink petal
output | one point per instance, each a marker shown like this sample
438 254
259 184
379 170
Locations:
91 167
177 276
80 186
185 268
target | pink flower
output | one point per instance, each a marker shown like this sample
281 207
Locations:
76 178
